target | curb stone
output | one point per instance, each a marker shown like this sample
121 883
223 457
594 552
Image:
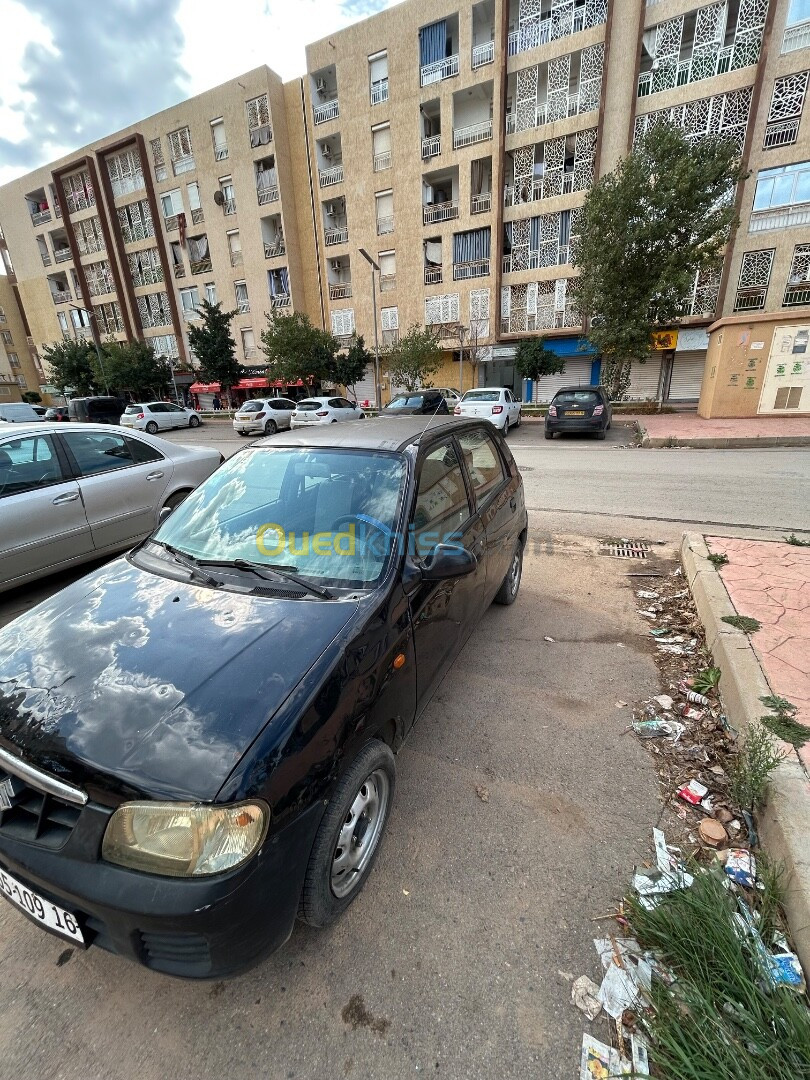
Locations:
784 824
719 442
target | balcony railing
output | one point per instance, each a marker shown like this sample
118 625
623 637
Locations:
171 223
220 153
96 243
784 133
56 210
179 270
148 275
388 282
243 307
197 216
79 200
379 92
328 177
265 195
533 34
465 270
474 133
131 234
479 204
782 218
200 266
433 275
740 54
750 299
797 295
483 54
39 217
341 291
236 258
431 146
125 185
796 37
190 314
62 296
442 69
385 225
61 255
183 164
46 259
281 300
272 251
382 161
445 211
229 207
329 110
338 235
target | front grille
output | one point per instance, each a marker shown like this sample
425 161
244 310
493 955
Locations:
34 816
176 954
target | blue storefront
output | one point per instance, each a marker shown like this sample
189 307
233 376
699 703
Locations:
582 367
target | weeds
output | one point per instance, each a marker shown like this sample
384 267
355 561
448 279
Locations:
706 680
718 558
796 541
753 765
743 622
782 722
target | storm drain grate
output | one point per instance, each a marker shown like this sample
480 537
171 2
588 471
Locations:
625 549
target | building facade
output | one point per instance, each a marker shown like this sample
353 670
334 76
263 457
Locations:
430 169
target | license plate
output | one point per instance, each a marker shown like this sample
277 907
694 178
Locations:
39 909
575 412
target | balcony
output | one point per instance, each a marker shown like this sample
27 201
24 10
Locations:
61 255
341 291
79 200
281 300
329 177
264 195
274 249
687 71
337 235
388 282
751 299
183 164
329 110
562 24
444 211
220 152
479 204
796 37
431 146
200 266
382 161
385 225
797 295
783 218
40 217
46 259
464 271
784 133
442 69
433 275
197 216
483 54
172 223
62 296
474 133
179 270
379 92
229 207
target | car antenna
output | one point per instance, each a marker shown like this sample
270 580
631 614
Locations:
430 421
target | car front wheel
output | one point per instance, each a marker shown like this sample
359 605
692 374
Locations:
194 421
348 839
151 428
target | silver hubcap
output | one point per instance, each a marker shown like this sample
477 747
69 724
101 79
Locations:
514 573
360 833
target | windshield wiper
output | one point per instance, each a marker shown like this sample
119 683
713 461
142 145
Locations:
277 570
188 562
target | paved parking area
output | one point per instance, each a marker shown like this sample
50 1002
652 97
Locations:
519 813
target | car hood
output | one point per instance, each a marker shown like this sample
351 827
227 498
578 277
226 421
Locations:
128 683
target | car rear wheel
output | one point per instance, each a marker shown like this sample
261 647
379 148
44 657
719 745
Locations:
507 594
517 422
549 434
600 434
194 421
505 431
151 428
270 427
348 838
175 500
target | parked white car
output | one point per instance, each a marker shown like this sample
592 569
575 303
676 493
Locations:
155 416
450 395
264 416
74 492
325 410
494 403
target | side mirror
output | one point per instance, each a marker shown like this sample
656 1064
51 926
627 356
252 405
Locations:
448 561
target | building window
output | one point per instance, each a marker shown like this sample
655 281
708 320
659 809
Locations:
158 160
171 203
384 202
228 195
164 345
146 267
89 236
13 360
199 256
797 26
99 278
189 302
180 151
242 299
63 323
154 310
755 275
479 314
381 147
797 293
784 186
135 221
79 193
219 139
258 119
109 318
248 344
440 310
343 322
126 174
785 112
193 191
388 270
6 336
378 77
389 320
210 292
471 254
235 247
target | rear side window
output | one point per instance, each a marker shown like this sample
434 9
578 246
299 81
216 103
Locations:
27 464
142 452
483 463
97 453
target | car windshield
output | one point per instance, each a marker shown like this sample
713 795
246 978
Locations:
309 406
130 410
405 401
252 406
482 395
577 397
328 515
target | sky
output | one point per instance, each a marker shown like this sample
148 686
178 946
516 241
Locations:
77 70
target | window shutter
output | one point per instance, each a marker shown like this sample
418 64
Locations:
385 205
157 152
390 318
218 136
382 139
343 322
379 68
258 112
506 302
531 298
479 304
388 264
179 143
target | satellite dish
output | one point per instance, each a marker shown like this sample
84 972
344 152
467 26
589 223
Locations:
219 198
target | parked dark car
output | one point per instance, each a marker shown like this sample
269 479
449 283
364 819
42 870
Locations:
96 410
579 408
418 402
57 413
197 740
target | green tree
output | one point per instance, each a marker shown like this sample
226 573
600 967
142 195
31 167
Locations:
70 366
533 360
414 358
350 365
214 347
133 366
32 397
646 230
295 349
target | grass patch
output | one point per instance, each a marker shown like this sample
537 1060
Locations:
743 622
782 722
718 559
796 541
720 1020
756 760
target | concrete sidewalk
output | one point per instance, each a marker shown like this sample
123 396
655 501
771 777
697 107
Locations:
689 429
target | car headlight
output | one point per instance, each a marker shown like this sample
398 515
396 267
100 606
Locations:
184 839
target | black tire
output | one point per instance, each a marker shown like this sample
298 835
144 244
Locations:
510 586
600 435
549 434
505 431
320 905
517 425
174 500
270 427
194 421
151 428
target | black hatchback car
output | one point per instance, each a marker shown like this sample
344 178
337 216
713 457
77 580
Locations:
417 402
579 408
197 740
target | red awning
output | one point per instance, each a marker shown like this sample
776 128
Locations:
251 384
205 388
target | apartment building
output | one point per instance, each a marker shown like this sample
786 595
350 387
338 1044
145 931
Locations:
429 169
20 369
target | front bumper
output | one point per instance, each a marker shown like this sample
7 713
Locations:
193 928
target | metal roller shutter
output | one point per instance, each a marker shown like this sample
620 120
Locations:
577 373
366 390
687 375
644 380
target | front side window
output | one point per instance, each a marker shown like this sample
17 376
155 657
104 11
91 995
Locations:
27 464
98 453
441 500
483 463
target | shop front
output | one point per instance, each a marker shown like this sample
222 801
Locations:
205 395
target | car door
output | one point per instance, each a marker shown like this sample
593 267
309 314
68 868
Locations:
512 406
495 495
162 416
121 494
443 613
175 415
285 409
338 412
43 523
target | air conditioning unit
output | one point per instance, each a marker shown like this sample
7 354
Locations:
320 86
326 150
330 209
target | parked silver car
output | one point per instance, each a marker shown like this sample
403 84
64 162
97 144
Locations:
69 493
155 416
264 416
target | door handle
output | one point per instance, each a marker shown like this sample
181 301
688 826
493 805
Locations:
69 496
154 476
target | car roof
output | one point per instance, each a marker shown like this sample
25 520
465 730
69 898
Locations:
381 433
44 427
571 389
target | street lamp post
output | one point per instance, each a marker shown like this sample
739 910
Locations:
374 266
92 315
